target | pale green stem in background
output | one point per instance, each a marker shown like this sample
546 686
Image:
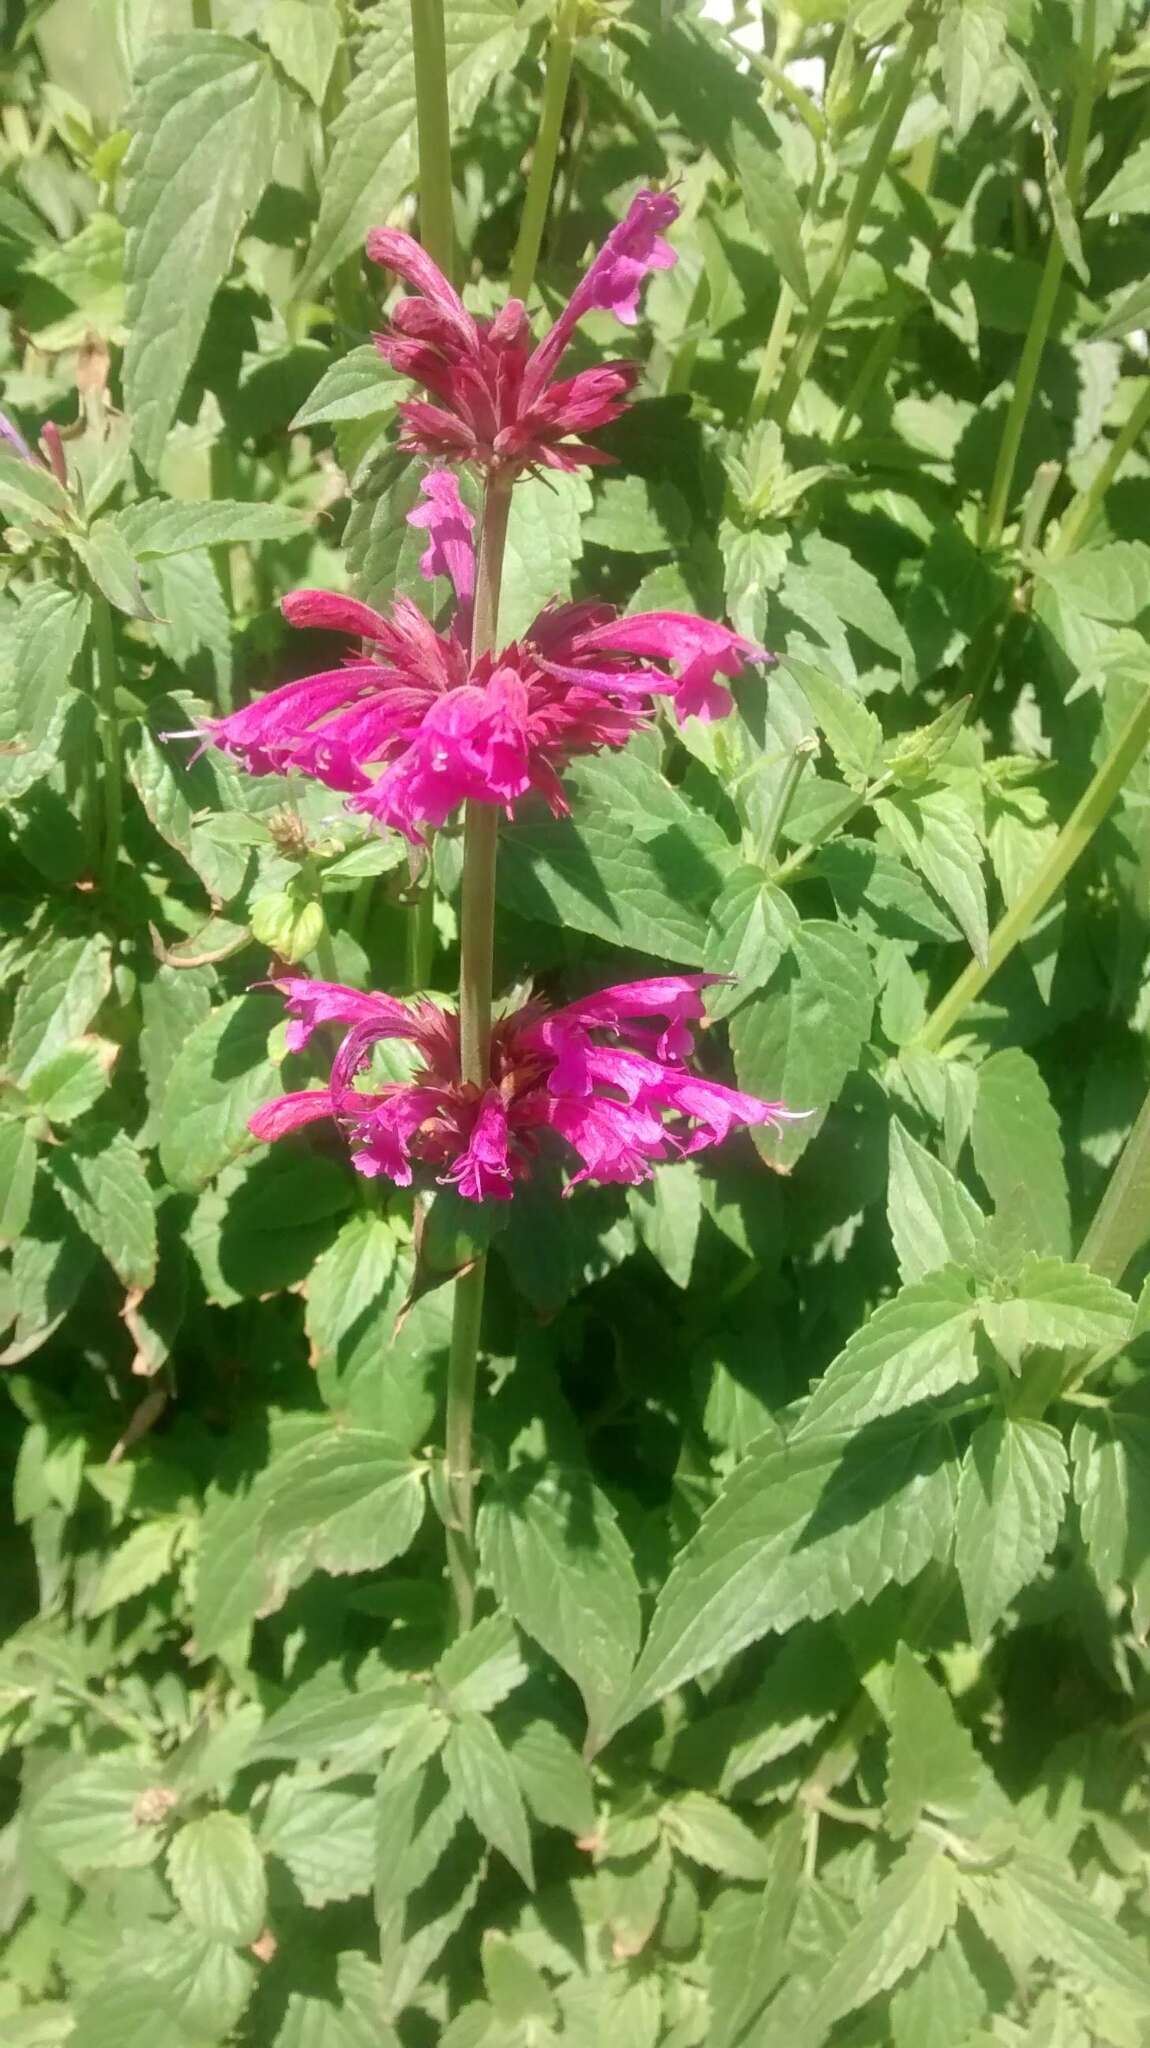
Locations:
437 233
476 938
106 676
433 126
902 75
777 340
1035 343
1037 501
1078 515
1121 1223
682 365
1073 839
537 198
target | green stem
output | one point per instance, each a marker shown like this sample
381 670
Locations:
1073 839
476 935
1121 1223
201 13
682 365
1079 514
107 677
784 797
537 198
772 354
796 861
903 73
420 950
433 126
1035 343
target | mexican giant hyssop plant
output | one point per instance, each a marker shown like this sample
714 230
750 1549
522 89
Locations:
575 978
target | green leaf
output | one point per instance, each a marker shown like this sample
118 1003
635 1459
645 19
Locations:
1066 1307
356 386
1018 1149
112 568
852 733
552 1548
165 526
217 1874
970 38
747 1937
102 1180
1111 1451
323 1720
1070 1930
707 1832
919 1344
798 1044
141 1560
633 864
1129 312
668 1210
934 831
553 1778
218 1079
772 204
349 1500
107 1815
57 1000
480 1770
207 122
1010 1498
303 37
48 634
799 1531
941 2003
17 1178
483 1667
347 1286
933 1219
173 1001
324 1834
634 516
73 1080
30 495
752 925
1110 583
933 1766
373 142
868 882
910 1913
1128 190
515 1987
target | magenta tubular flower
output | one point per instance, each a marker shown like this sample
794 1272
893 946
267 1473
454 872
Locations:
608 1076
12 438
494 399
412 729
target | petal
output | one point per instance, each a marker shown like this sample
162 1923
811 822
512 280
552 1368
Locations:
333 612
613 282
483 1171
450 528
396 251
311 1004
290 1113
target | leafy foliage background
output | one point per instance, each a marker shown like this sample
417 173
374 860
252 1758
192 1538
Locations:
810 1692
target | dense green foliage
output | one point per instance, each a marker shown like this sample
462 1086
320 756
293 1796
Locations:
809 1693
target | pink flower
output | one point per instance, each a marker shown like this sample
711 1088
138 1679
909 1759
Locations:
608 1076
493 398
412 728
12 437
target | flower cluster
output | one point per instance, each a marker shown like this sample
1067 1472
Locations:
418 721
607 1076
413 727
497 401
